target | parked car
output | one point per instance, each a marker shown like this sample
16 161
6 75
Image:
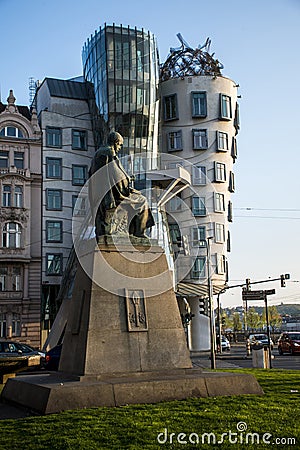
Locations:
225 344
15 356
289 342
52 358
260 339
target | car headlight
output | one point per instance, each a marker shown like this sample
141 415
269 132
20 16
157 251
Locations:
296 345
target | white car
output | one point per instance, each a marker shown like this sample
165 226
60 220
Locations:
260 339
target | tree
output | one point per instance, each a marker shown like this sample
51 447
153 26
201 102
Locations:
275 318
253 319
236 322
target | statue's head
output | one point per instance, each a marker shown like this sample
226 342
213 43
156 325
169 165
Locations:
115 139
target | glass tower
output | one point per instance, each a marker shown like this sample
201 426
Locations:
122 65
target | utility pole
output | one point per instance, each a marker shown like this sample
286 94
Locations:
211 308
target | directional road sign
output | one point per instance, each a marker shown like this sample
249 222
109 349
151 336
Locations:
253 295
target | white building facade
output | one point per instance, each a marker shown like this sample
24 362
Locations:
200 121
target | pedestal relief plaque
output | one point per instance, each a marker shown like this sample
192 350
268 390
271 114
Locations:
136 310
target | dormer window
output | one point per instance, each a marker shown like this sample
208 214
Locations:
11 132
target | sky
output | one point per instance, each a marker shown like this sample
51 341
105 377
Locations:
258 43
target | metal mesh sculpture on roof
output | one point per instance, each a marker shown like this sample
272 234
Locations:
186 61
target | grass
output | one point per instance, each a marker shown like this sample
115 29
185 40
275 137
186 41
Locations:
137 426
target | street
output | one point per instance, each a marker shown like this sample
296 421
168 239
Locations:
237 357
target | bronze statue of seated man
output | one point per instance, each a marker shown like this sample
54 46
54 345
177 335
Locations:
117 208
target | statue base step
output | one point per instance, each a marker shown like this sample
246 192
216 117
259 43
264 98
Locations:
56 392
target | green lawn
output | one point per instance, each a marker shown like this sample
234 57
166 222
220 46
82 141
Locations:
137 427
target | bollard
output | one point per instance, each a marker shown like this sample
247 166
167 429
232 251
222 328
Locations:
260 357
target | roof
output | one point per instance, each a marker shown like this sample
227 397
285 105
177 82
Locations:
66 88
23 110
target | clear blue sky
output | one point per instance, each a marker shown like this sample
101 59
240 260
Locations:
258 42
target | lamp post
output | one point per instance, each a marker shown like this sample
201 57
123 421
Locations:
211 307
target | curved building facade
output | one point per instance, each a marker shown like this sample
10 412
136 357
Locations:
122 65
200 121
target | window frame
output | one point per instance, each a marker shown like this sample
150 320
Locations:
4 156
60 238
197 211
170 111
50 132
48 165
201 270
85 169
18 196
49 190
60 255
193 97
84 134
222 141
200 137
199 180
6 196
196 240
220 172
220 233
177 136
18 159
225 107
7 235
219 202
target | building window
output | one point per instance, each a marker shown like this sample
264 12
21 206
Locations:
200 139
54 168
219 233
237 118
174 204
230 213
220 264
11 236
53 137
18 197
19 160
4 159
175 233
16 324
199 104
54 263
228 241
220 172
10 278
225 107
122 55
231 186
174 141
6 195
219 202
79 140
198 206
234 149
199 175
54 231
11 132
79 208
170 107
222 141
3 325
199 236
79 175
54 199
198 270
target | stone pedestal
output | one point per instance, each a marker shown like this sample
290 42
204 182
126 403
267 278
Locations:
124 341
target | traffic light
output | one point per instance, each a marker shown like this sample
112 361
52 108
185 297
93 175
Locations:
282 280
248 286
223 321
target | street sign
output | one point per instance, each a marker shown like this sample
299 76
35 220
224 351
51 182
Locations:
270 292
253 295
